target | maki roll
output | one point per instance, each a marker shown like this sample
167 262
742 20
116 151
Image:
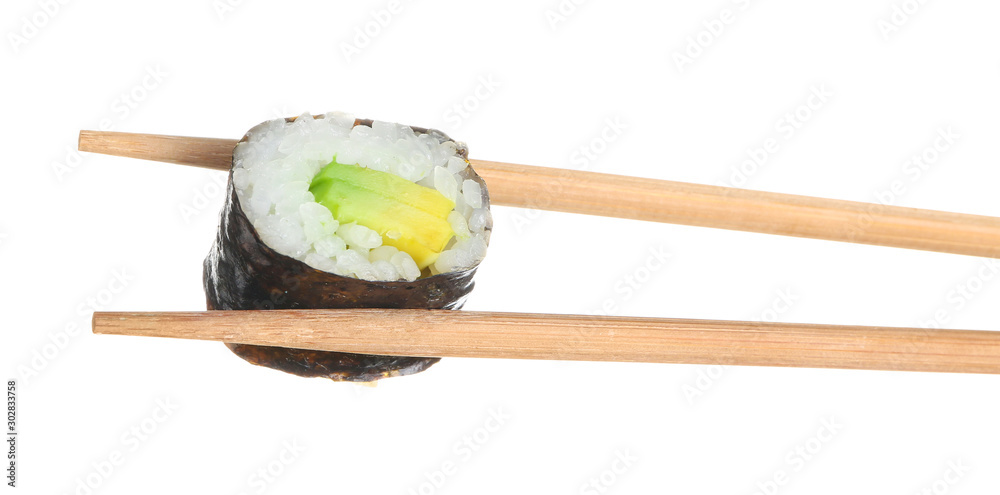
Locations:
329 211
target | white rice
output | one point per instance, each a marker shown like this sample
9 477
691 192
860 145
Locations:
272 171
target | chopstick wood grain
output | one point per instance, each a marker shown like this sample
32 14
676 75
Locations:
443 333
210 153
653 200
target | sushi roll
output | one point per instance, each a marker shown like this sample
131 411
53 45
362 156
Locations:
329 211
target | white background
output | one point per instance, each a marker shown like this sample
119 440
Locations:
71 221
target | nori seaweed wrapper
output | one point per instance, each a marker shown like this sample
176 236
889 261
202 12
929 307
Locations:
243 273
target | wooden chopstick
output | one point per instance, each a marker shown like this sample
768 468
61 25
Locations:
442 333
649 199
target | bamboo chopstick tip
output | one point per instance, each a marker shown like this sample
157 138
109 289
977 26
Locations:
84 140
98 322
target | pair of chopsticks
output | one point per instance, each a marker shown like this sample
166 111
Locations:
576 337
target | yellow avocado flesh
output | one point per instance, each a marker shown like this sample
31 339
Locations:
389 205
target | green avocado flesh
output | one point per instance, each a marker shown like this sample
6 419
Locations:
415 216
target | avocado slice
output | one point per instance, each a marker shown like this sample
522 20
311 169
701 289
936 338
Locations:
408 216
